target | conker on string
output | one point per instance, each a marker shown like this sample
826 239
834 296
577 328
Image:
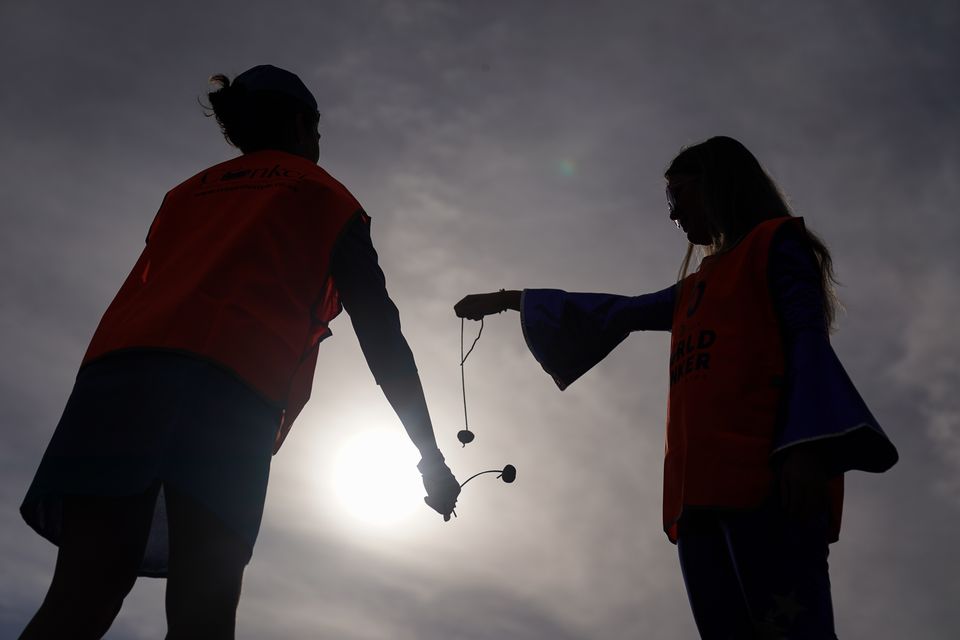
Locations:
465 436
508 474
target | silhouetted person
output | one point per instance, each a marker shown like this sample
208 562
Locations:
199 368
762 420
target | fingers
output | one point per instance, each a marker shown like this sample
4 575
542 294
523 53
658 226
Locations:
805 506
442 490
803 484
468 308
794 497
803 499
477 305
785 499
443 509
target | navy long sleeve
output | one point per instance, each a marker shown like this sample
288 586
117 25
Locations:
822 403
569 333
363 291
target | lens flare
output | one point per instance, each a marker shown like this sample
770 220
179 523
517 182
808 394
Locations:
567 168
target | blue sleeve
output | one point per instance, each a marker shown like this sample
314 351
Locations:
822 405
363 292
568 333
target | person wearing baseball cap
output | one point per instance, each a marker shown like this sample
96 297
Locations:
266 77
200 366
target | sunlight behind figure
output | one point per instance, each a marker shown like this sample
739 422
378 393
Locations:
371 478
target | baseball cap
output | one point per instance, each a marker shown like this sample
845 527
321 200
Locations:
266 77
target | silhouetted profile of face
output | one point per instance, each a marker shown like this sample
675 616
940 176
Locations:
309 137
266 107
687 209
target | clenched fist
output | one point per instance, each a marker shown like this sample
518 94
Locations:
477 305
441 486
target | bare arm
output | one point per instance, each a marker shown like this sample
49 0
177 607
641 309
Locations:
376 321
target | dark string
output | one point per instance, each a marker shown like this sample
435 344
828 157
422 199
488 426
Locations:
500 471
463 384
463 358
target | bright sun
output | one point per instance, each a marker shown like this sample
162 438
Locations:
375 477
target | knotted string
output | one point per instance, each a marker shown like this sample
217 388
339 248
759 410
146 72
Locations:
463 358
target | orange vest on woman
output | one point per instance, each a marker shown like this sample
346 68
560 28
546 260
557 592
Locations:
727 368
237 270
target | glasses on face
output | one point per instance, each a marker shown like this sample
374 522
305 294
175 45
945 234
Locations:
672 190
671 201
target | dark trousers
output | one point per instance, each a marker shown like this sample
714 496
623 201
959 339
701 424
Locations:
753 574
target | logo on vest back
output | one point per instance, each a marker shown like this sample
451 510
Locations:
250 179
253 174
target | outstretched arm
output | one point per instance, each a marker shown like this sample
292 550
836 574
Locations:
569 333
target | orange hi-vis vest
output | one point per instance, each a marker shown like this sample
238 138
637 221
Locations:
236 270
727 367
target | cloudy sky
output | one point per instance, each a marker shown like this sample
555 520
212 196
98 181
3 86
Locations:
503 144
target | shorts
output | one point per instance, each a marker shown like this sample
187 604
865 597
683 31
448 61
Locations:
145 419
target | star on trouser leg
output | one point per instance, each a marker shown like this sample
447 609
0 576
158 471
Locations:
788 606
785 608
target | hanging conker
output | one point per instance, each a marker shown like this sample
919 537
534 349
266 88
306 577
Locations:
465 436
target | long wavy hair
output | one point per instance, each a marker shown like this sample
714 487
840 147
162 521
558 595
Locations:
738 195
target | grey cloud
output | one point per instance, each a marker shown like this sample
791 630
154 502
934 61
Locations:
930 367
502 146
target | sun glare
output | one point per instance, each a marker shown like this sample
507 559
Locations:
375 477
